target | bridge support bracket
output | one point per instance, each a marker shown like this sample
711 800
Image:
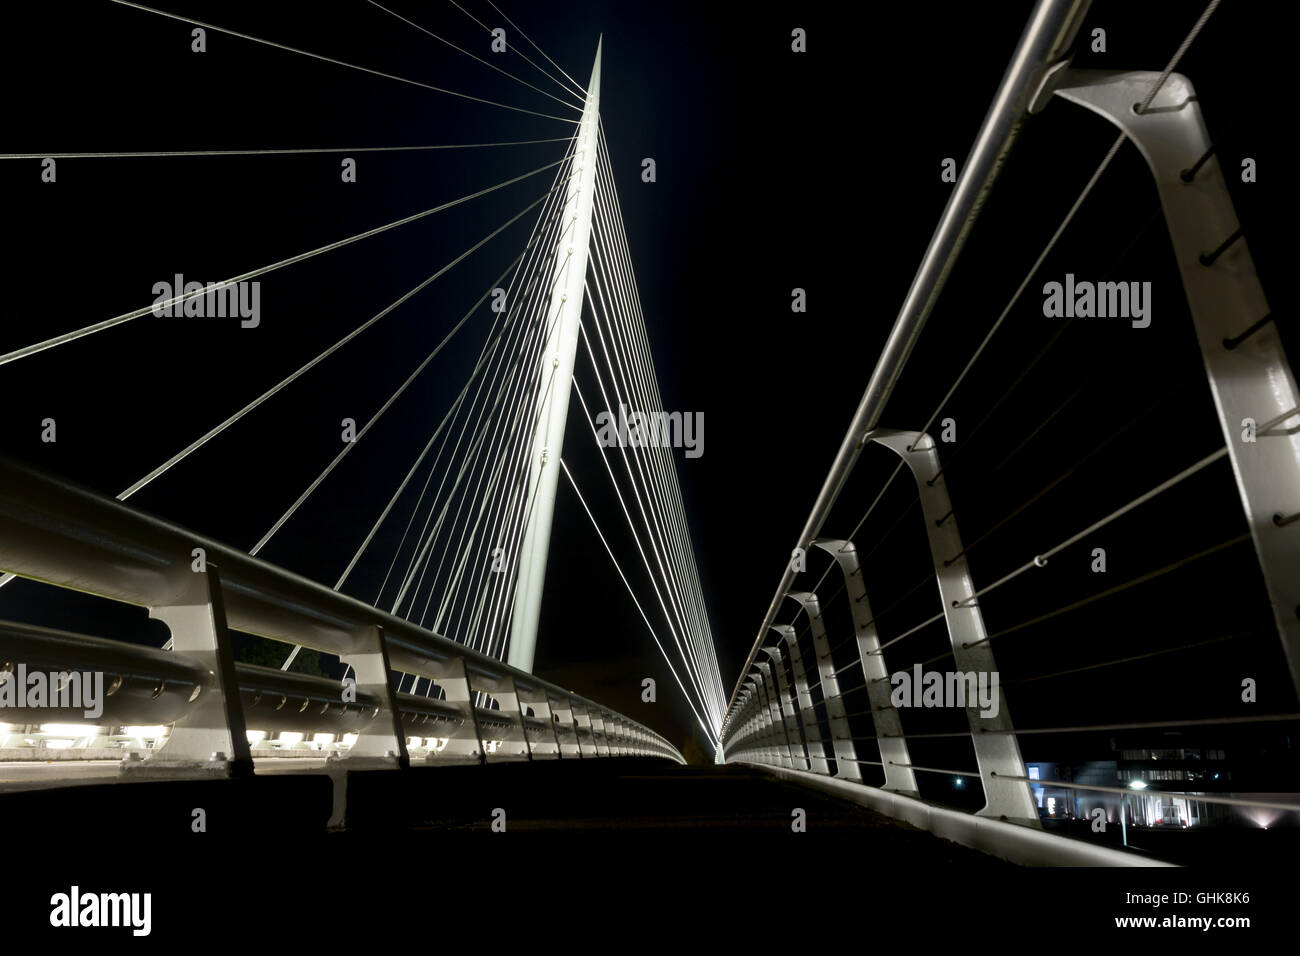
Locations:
210 738
543 742
509 721
383 743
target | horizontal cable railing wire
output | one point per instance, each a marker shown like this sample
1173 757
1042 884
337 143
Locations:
1159 673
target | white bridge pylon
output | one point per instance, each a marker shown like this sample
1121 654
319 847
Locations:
556 376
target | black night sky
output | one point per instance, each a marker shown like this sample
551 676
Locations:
774 171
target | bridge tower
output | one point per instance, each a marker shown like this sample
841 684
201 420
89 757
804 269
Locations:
556 378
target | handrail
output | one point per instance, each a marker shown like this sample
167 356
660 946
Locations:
55 531
1046 39
779 718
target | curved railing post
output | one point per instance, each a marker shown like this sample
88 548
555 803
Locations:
465 742
762 719
210 737
582 729
748 725
386 742
884 716
807 714
598 739
754 723
1250 377
540 730
846 758
614 731
780 734
566 725
512 728
764 716
793 730
996 749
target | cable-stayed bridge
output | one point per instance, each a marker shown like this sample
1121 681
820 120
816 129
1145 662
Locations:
478 497
431 615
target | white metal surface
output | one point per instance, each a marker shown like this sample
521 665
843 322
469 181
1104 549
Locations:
1044 44
884 716
790 717
73 538
997 751
557 381
846 756
1251 381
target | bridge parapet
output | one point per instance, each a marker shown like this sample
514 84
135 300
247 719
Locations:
1086 768
71 537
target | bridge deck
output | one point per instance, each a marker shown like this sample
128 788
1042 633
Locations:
612 802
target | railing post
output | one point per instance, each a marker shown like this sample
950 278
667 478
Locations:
210 737
757 728
544 741
771 732
754 727
793 731
762 720
586 733
1043 46
509 718
846 758
1250 377
996 749
812 734
383 739
598 734
894 754
566 726
745 721
780 738
465 744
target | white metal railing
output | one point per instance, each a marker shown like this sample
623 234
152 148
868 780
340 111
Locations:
61 534
793 705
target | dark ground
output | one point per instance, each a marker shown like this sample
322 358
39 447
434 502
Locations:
622 846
